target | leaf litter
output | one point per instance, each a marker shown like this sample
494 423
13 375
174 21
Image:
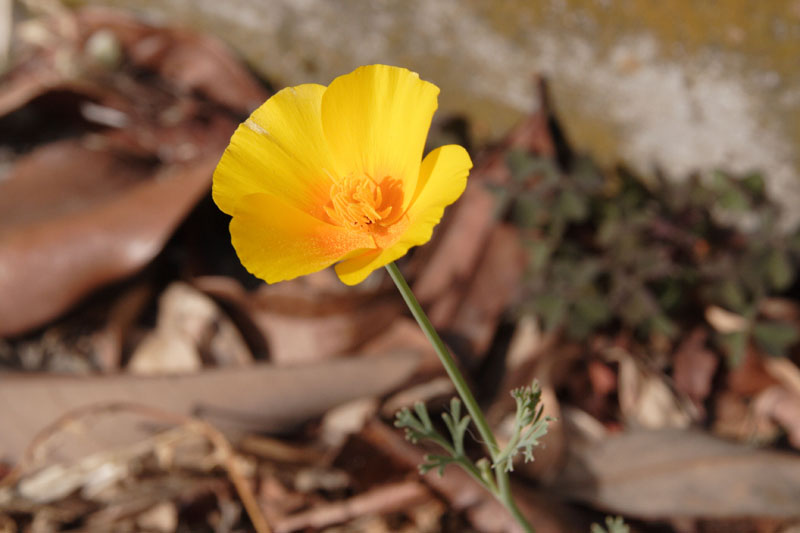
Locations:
664 338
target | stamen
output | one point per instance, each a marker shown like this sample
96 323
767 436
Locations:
361 202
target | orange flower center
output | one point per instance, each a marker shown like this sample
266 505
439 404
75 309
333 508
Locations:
361 203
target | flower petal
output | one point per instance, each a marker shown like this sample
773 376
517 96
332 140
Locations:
376 120
354 270
276 241
279 150
442 179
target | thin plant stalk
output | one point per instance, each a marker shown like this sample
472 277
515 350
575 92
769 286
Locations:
503 493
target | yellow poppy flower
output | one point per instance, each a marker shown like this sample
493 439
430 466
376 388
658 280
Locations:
322 175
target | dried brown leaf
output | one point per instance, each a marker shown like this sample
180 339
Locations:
750 376
490 291
694 367
456 252
47 265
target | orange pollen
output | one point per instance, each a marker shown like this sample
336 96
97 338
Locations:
358 202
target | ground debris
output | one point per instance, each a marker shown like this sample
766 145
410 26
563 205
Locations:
190 397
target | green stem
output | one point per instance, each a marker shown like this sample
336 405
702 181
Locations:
450 366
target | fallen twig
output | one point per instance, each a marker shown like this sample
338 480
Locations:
384 499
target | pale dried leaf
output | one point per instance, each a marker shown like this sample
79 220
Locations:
645 398
652 474
190 327
725 321
161 518
259 398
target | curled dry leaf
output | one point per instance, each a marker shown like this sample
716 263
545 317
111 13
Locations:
783 406
79 44
188 61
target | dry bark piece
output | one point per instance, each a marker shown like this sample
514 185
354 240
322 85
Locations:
259 398
653 474
315 325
